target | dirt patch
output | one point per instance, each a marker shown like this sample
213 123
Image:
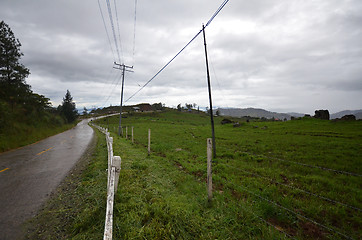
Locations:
285 179
313 231
198 174
236 194
179 165
282 227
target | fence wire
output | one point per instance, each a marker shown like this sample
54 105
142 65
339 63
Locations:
329 229
298 189
306 165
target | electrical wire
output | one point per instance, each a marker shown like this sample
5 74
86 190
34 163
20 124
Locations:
168 63
109 76
134 32
163 68
217 81
112 24
119 32
105 27
217 12
109 96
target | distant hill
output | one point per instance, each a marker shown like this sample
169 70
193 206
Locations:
357 113
257 112
253 112
294 114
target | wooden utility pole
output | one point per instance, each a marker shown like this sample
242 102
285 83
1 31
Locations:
210 100
122 67
209 169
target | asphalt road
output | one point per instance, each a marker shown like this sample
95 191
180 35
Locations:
28 175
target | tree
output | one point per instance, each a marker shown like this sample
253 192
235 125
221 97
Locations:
188 106
157 106
179 107
67 109
13 88
85 111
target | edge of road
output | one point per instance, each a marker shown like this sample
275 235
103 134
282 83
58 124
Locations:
34 226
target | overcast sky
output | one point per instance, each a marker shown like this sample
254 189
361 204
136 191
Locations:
280 55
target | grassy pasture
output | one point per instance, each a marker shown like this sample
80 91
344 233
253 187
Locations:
264 171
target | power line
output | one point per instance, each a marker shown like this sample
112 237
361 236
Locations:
168 63
119 32
217 81
217 12
109 76
105 27
112 24
163 68
118 78
134 31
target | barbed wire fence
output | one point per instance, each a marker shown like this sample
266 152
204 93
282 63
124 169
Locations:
258 197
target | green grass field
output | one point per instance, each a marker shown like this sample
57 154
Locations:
272 180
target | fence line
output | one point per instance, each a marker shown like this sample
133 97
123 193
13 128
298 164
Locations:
307 165
272 225
328 228
114 168
295 188
297 214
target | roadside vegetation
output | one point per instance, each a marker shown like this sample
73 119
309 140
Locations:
25 116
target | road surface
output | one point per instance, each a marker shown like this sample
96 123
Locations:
28 175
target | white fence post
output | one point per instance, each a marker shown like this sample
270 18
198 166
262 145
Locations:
117 164
114 168
110 156
149 141
108 226
209 168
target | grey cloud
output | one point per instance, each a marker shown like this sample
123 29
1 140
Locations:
271 54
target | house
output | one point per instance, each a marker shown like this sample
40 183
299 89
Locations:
136 109
145 107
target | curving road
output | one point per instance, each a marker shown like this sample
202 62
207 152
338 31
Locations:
28 175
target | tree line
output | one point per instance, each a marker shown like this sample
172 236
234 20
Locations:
17 101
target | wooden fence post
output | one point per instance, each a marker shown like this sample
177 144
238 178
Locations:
108 225
126 132
149 141
132 136
209 168
117 164
110 156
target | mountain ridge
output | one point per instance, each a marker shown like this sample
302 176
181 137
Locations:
259 112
